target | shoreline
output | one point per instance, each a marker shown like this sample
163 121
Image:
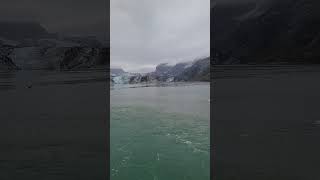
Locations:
162 84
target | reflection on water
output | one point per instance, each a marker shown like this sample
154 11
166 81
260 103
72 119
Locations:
261 71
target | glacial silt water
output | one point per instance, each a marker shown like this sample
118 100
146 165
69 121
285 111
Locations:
160 133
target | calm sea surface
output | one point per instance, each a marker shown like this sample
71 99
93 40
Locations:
160 132
52 125
266 122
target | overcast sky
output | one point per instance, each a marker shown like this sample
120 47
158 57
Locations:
73 17
145 33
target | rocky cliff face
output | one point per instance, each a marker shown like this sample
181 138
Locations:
271 31
198 71
79 57
6 62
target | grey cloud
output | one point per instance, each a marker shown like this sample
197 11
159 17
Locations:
145 33
83 17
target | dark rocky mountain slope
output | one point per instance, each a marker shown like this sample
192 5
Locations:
286 31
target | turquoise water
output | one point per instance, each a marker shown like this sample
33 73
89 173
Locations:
160 133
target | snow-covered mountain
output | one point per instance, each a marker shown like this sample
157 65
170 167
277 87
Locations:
198 70
25 45
58 58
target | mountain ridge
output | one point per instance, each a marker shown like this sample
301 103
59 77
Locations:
198 70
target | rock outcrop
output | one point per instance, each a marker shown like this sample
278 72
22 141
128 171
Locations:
6 62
